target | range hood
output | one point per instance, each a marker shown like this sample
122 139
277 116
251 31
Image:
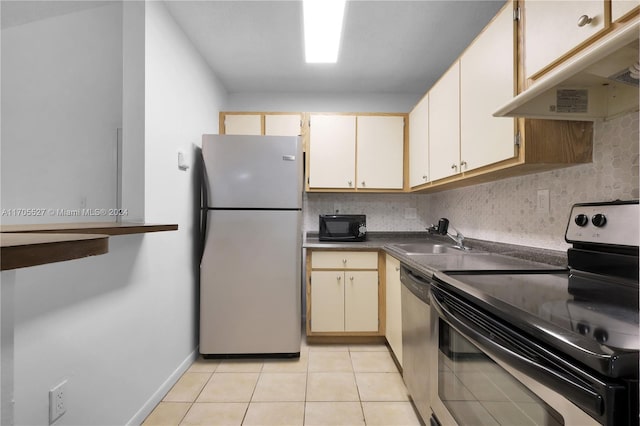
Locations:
596 83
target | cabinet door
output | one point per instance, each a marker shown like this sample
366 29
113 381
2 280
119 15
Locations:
332 151
380 142
361 301
282 124
242 124
419 143
486 83
620 8
327 301
444 124
393 331
551 29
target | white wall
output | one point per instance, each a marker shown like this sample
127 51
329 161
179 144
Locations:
121 327
322 102
61 106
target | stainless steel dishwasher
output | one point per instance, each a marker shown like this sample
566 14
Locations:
416 318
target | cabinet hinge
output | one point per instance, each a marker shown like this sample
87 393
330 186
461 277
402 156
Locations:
516 13
516 139
308 181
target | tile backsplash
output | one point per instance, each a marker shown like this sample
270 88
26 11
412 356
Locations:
506 210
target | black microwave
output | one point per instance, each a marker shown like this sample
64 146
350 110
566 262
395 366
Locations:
343 227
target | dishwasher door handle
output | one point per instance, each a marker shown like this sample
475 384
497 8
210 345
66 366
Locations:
419 286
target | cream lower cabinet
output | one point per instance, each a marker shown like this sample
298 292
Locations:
340 300
393 329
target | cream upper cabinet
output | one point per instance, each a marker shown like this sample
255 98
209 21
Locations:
487 81
619 8
243 124
380 142
283 124
419 143
332 151
554 28
393 331
444 125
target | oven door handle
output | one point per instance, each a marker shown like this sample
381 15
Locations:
561 382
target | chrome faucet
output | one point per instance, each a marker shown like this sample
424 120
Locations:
458 238
443 229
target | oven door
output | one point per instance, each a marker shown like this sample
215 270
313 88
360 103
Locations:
486 377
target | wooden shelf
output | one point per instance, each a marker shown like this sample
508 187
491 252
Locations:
37 244
20 250
107 228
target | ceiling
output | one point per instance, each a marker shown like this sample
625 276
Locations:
387 46
394 47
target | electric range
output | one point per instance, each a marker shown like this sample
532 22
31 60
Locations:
573 336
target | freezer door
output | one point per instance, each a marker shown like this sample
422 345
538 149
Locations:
250 287
253 171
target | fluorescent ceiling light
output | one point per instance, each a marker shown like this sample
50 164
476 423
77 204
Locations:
322 29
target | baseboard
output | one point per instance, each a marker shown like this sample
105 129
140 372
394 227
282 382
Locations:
157 396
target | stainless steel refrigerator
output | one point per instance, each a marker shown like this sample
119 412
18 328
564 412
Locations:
250 272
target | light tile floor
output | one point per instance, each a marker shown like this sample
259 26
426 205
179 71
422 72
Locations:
329 385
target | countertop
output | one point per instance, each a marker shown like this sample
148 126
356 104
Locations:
25 245
385 240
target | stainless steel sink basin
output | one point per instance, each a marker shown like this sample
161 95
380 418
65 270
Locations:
426 248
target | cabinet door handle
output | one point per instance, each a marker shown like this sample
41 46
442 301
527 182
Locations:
454 166
350 183
339 278
344 261
362 183
351 278
584 20
397 268
463 164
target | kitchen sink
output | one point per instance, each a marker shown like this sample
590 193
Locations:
426 248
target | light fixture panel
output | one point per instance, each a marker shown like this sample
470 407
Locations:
322 29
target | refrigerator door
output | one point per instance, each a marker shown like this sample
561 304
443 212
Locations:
250 288
253 171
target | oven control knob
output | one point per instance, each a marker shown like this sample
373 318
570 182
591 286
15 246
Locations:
583 328
582 219
599 220
601 335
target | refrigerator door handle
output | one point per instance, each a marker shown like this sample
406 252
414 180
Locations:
204 209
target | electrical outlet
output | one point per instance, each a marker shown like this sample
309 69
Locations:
543 201
57 402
